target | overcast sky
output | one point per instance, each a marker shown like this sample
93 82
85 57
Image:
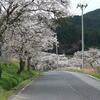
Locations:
92 5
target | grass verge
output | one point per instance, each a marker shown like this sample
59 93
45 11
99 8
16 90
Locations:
11 82
97 75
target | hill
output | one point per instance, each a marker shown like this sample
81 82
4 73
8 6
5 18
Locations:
69 32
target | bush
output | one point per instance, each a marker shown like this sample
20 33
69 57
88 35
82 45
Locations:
14 82
17 78
5 83
10 78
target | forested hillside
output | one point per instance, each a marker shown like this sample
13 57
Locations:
69 32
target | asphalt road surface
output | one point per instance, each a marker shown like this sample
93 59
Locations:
61 86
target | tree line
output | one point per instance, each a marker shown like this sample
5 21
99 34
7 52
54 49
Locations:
69 32
27 28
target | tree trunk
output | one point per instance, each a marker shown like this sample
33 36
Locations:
0 49
0 71
0 65
22 65
0 53
91 65
33 67
28 63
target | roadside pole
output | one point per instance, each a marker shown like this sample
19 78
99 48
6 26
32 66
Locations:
82 22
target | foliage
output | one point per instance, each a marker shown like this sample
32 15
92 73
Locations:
97 75
11 79
69 32
91 58
27 27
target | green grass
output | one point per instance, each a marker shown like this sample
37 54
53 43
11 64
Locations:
11 82
97 75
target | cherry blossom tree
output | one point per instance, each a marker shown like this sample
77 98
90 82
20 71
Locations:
27 26
91 58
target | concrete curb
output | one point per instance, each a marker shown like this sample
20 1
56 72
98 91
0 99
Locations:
13 97
93 77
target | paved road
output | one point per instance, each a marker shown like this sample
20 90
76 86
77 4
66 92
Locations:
62 86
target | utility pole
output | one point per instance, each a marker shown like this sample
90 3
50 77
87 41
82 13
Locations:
82 22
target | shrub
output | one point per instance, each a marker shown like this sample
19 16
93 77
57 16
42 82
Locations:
8 83
4 84
10 78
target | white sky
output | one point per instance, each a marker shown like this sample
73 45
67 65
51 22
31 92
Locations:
92 5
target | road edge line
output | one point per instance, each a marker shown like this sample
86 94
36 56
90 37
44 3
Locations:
93 77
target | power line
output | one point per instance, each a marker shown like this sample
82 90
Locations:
80 1
88 2
76 10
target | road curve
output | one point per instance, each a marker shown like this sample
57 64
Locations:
61 86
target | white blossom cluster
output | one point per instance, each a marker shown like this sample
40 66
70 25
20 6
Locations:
53 61
91 57
48 61
75 62
27 27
